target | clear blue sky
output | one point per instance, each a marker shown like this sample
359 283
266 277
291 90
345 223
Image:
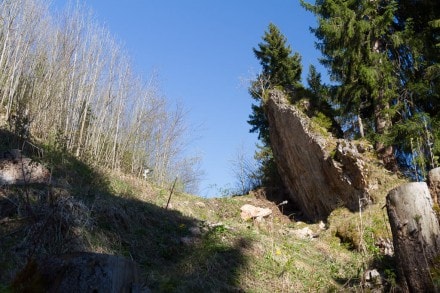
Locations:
201 49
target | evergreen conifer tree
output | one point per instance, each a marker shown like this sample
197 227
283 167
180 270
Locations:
355 39
383 56
418 129
314 81
280 69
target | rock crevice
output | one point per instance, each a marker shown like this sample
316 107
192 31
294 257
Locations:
320 172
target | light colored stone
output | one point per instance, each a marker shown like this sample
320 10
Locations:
371 275
304 233
252 212
20 171
200 204
373 281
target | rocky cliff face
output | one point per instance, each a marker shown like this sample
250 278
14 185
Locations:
320 173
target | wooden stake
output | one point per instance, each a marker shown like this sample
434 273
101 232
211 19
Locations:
171 192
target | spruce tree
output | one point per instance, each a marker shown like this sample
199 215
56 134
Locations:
418 130
280 69
314 81
320 105
354 37
383 56
278 64
420 59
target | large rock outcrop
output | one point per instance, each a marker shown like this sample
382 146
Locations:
320 173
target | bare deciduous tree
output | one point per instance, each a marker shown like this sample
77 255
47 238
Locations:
245 170
77 86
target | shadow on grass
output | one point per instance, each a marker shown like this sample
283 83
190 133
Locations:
80 211
153 237
8 140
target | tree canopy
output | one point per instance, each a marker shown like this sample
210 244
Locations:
280 68
383 59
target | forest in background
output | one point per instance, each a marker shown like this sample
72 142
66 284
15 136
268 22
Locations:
67 81
382 58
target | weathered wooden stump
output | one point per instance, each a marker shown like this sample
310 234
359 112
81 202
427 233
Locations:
434 184
416 236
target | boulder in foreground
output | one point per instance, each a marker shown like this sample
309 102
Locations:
81 272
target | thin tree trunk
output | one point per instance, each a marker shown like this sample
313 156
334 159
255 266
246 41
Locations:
383 125
361 126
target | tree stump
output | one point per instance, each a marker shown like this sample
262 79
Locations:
434 184
415 236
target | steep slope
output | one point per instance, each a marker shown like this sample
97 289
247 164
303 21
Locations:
196 244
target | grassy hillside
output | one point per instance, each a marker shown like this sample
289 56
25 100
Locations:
196 244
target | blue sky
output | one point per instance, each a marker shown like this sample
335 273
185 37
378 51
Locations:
201 50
